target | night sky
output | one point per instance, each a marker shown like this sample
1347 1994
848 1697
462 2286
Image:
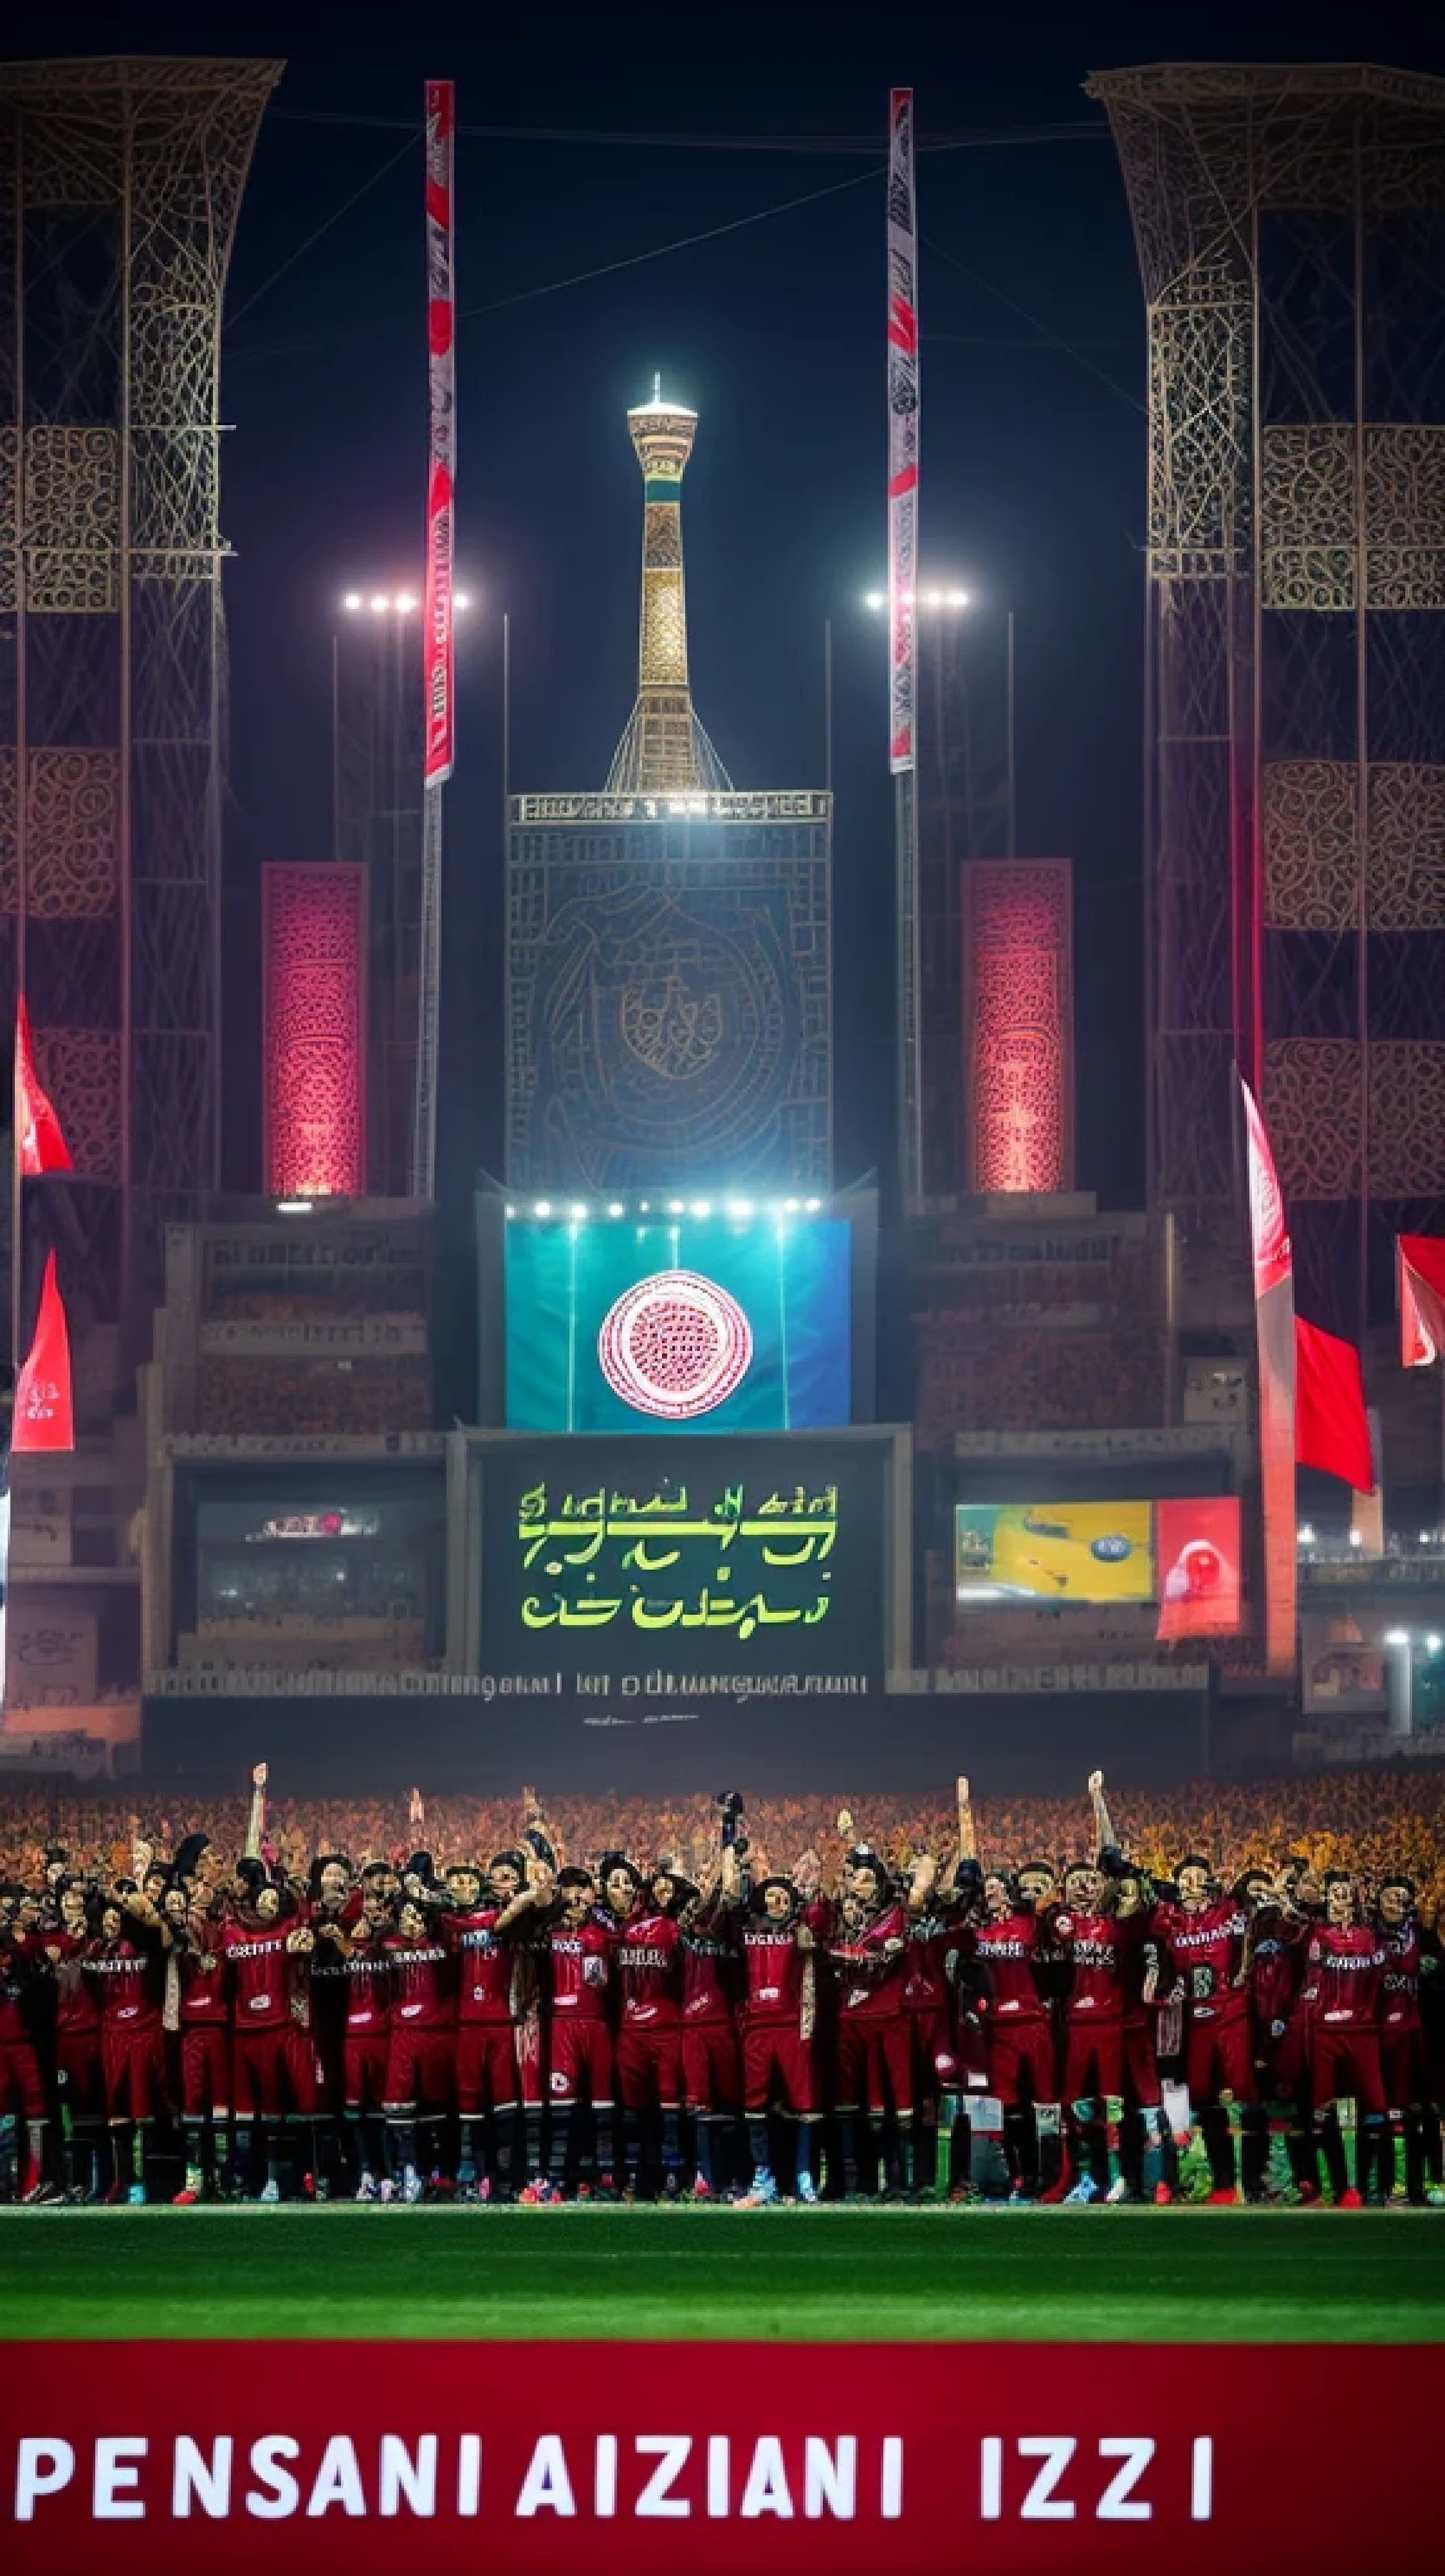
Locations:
1033 453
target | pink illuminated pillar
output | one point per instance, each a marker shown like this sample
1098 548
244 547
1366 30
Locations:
314 1030
1018 1024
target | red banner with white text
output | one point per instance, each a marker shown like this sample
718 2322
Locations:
902 433
1070 2458
441 362
1274 1335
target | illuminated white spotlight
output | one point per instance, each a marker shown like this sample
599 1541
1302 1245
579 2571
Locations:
578 1208
511 1211
379 603
643 1206
1397 1636
812 1206
933 599
701 1207
875 599
295 1207
1305 1534
1424 1538
1357 1538
405 603
791 1206
616 1208
958 599
740 1207
1432 1645
352 601
462 599
542 1208
675 1208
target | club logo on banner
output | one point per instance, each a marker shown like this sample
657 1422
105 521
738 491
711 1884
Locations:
902 430
441 320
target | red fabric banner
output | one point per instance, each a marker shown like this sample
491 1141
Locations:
902 434
845 2458
39 1140
1422 1298
1197 1551
44 1415
1331 1426
1274 1336
438 713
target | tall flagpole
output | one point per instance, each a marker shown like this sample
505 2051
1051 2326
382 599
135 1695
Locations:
439 659
902 588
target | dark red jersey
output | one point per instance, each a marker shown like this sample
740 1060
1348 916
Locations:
1094 1947
650 1970
204 1979
366 1987
1206 1948
1345 1975
77 2006
932 1937
774 1966
581 1957
327 1972
710 1978
261 1972
1400 1987
870 1964
485 1960
1139 1953
423 1982
1276 1966
1007 1952
130 1980
18 1977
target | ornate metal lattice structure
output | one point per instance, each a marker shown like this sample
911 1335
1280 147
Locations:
1290 225
120 182
664 747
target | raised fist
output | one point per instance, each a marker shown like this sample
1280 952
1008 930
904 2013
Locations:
260 1775
962 1789
1096 1782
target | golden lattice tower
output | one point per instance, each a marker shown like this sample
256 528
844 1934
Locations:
664 748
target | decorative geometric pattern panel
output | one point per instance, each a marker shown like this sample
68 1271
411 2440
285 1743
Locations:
669 999
314 1030
1407 846
72 520
1309 525
73 829
1312 1110
80 1069
1311 844
1018 1023
1407 1119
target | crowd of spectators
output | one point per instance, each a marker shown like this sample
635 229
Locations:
1365 1821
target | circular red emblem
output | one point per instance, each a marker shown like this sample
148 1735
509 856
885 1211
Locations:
675 1345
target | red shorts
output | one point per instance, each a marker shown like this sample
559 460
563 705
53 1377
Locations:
1403 2070
580 2068
1093 2060
205 2069
1019 2050
134 2058
273 2071
875 2064
1141 2066
486 2068
1346 2063
420 2067
20 2087
649 2065
364 2057
82 2077
778 2061
1219 2059
712 2065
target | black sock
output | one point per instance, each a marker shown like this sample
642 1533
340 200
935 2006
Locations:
1219 2147
1254 2152
1332 2148
532 2142
671 2141
758 2142
561 2138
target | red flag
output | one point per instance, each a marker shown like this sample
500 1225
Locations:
1197 1550
44 1416
1422 1298
1274 1335
1331 1428
39 1142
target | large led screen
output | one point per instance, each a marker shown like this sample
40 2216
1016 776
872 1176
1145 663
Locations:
1183 1554
678 1324
614 1557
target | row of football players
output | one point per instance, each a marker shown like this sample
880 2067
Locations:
1079 2023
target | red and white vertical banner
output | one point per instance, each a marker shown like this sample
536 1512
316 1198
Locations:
902 432
1275 1336
441 478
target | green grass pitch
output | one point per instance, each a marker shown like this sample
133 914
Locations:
783 2275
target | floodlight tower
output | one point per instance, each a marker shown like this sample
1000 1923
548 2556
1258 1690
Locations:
664 748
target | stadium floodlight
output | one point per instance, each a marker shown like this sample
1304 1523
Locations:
811 1206
578 1208
405 603
379 603
294 1207
1305 1534
675 1208
1357 1538
462 599
1397 1636
616 1208
542 1208
1424 1538
511 1211
877 600
791 1206
1432 1645
740 1207
701 1207
352 601
644 1207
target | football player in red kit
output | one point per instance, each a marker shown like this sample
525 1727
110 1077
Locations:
578 1942
1409 1956
366 2043
868 1955
1092 2076
22 2090
422 2042
1005 1949
198 2012
1344 1979
127 1960
483 1912
272 2064
1204 1934
650 1973
77 2040
779 1936
712 2060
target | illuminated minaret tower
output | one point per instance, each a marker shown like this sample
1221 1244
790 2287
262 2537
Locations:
664 748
